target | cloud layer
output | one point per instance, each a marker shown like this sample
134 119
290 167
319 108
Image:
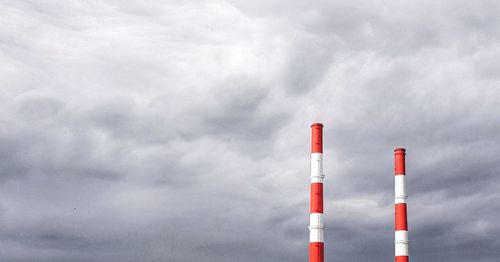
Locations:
179 131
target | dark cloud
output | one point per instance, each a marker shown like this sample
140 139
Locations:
179 131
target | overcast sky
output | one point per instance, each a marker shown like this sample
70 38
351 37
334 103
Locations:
180 130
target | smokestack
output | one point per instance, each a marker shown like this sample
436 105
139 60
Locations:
316 227
401 225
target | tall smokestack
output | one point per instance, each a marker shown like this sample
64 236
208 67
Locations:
316 227
401 225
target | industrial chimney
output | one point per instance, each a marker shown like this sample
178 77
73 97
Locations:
401 225
316 226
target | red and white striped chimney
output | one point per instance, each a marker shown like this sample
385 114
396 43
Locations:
316 226
401 225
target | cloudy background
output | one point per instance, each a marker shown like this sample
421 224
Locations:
179 130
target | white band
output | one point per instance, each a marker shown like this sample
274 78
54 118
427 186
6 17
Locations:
401 249
316 220
316 227
401 243
400 189
316 235
401 236
317 168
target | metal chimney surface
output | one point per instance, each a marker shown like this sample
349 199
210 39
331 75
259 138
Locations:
401 223
316 226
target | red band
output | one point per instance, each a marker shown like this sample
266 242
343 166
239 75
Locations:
402 259
316 252
399 158
317 198
317 138
400 216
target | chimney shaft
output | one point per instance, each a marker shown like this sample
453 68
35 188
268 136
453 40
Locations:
401 225
316 226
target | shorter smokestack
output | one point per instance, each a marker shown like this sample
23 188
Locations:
401 225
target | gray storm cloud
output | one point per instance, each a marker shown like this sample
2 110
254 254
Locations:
179 131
